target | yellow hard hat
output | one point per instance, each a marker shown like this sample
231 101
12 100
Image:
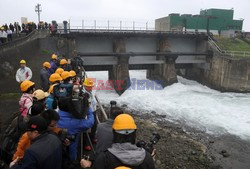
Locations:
88 82
122 167
22 62
124 122
59 71
55 77
54 56
65 75
51 88
63 62
25 85
72 73
39 94
46 64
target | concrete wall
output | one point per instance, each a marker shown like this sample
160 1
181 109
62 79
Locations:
226 74
162 24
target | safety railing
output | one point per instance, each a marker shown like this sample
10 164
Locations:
236 53
102 26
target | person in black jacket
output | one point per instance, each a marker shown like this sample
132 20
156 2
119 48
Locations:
45 151
123 152
44 75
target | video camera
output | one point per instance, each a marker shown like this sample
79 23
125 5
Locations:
149 147
63 135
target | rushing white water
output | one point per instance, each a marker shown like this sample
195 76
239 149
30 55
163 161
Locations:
187 101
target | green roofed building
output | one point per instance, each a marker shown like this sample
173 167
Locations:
216 21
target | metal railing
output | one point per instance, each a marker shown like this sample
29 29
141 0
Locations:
111 25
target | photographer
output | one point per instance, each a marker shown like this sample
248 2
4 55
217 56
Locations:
51 118
46 149
88 89
73 124
123 152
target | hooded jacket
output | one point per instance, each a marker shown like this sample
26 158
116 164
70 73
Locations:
124 154
104 135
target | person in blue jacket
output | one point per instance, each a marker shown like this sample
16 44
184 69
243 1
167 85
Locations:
53 64
73 125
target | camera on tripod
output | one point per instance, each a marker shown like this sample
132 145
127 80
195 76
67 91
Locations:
149 147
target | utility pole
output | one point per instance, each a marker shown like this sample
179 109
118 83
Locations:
38 9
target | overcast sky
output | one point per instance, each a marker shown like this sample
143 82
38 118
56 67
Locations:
115 9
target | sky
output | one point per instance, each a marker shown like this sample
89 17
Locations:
103 10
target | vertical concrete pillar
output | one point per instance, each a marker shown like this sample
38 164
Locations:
71 48
166 72
120 72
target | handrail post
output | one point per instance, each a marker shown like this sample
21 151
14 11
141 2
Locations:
108 25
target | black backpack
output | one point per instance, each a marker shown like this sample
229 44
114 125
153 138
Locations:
11 137
78 105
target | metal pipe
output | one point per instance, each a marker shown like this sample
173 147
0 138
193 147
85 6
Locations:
90 143
102 109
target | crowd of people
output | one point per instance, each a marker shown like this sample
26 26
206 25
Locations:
7 31
53 119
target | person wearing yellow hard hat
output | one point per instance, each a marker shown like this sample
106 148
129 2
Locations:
123 152
122 167
25 102
23 73
53 64
44 76
66 76
64 64
88 85
55 79
76 83
59 71
3 35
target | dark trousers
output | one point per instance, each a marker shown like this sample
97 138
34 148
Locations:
9 37
92 133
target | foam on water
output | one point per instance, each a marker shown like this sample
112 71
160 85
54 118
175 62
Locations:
187 101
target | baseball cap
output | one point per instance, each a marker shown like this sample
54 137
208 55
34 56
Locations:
37 123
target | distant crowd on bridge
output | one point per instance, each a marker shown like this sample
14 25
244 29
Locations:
8 32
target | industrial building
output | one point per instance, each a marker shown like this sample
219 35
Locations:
215 21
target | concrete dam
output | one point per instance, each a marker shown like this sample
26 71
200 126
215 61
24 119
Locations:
162 54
